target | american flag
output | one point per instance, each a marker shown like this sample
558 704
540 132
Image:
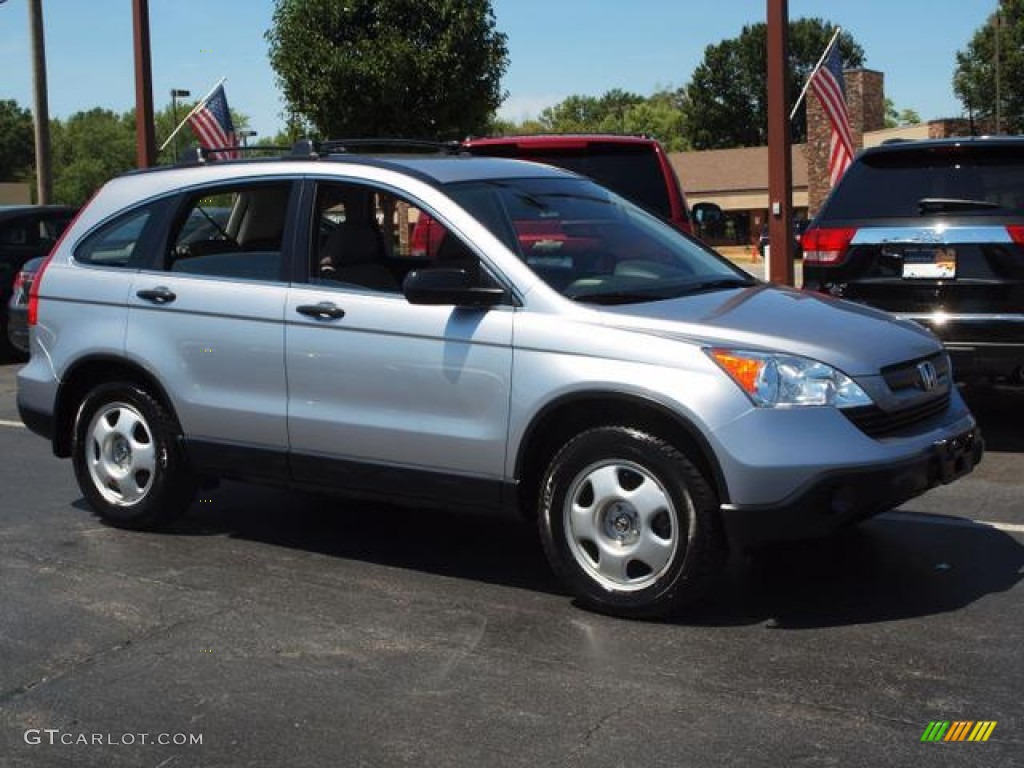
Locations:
211 122
828 85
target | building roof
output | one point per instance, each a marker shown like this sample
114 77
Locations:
731 171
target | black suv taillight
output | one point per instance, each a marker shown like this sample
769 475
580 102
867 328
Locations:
826 245
1016 234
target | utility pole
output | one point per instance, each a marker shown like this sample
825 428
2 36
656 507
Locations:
780 153
145 133
40 109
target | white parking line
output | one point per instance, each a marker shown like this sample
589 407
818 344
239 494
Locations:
961 522
16 424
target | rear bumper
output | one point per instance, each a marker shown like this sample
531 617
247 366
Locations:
843 497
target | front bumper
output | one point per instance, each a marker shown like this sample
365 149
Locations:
842 497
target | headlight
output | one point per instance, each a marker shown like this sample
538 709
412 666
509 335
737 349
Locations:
775 380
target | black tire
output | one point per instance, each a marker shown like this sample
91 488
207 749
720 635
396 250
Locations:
645 538
127 458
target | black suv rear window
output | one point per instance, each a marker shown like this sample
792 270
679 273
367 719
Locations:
892 184
631 170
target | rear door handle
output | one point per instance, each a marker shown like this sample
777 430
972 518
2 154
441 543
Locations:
325 310
160 295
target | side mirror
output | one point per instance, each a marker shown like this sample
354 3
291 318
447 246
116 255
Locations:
449 286
706 213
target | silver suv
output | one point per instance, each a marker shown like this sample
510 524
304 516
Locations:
451 330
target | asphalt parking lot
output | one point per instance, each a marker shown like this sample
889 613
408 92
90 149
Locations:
281 629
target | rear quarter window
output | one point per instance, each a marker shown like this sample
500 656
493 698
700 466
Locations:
115 243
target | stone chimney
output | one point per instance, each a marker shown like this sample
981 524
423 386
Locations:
865 102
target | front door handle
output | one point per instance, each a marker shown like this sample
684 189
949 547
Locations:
325 310
159 295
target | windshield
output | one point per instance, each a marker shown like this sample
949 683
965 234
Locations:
591 245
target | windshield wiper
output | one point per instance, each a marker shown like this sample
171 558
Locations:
718 284
952 205
617 297
663 292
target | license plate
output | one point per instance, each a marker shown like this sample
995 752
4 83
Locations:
929 263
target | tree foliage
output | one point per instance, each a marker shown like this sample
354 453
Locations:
725 104
617 111
974 80
404 68
17 144
91 147
894 118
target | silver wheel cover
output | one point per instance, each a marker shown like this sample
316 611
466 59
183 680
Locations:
120 454
620 525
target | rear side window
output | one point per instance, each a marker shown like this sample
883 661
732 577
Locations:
234 232
892 184
115 244
18 233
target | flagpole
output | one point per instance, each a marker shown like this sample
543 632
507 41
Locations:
803 93
196 108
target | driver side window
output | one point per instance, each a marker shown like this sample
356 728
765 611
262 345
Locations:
369 238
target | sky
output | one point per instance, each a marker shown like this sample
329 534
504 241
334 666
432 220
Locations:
556 48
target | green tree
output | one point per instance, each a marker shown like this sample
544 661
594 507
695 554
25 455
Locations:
577 114
617 111
89 148
17 145
894 118
404 68
974 80
726 101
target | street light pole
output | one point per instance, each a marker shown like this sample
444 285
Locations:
40 108
177 93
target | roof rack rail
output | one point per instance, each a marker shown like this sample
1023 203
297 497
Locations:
194 155
341 146
308 149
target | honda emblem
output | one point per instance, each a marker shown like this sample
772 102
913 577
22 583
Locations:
928 375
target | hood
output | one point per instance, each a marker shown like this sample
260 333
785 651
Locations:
857 340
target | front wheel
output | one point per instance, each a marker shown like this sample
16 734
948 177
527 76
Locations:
629 523
127 460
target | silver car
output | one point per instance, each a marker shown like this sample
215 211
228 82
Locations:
493 334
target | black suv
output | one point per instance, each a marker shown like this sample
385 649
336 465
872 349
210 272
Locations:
933 231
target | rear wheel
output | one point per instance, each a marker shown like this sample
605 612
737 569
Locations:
127 460
629 523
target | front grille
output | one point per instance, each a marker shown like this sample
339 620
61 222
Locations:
905 376
874 422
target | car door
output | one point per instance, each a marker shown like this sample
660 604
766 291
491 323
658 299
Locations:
207 317
386 396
